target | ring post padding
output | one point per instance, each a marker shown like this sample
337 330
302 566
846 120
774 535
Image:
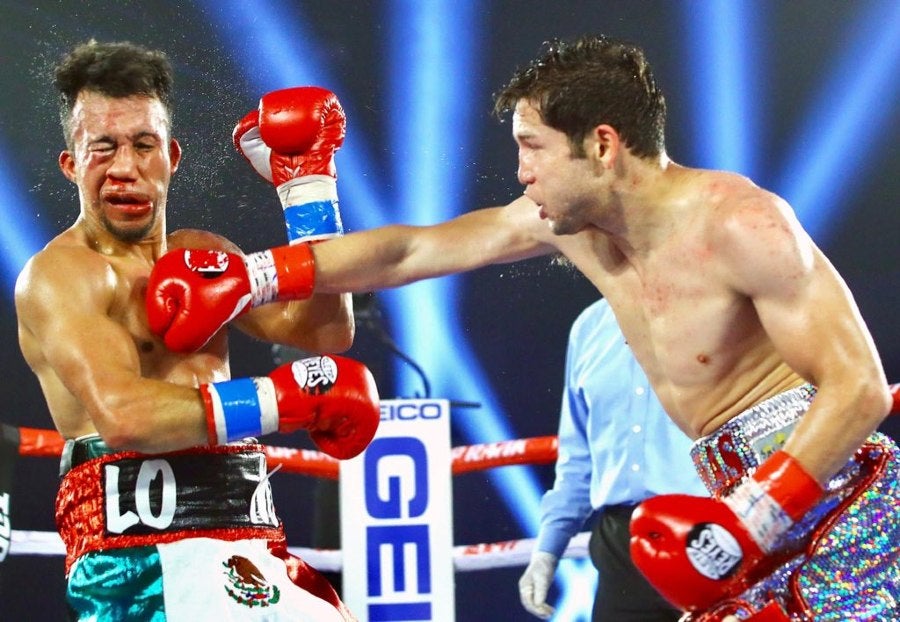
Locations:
396 517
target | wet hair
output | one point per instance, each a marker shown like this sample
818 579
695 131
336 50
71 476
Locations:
120 69
593 80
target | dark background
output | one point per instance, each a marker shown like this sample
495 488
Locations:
514 318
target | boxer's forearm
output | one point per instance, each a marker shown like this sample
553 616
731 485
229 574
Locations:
396 255
838 422
149 416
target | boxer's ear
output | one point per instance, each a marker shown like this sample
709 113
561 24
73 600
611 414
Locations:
67 164
602 145
174 155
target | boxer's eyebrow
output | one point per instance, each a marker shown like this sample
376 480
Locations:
143 135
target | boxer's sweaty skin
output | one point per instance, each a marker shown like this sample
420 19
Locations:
723 297
80 301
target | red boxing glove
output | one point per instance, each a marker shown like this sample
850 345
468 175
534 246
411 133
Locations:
291 141
697 551
192 294
332 397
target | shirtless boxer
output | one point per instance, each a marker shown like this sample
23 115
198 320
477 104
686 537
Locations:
748 335
164 507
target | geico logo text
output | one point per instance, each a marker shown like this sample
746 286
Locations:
396 490
410 412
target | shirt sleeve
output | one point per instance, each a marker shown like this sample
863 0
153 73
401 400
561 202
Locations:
566 506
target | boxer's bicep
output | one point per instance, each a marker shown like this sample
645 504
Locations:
768 259
321 324
811 319
802 303
63 305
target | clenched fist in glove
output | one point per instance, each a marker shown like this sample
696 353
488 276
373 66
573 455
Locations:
291 140
534 584
192 293
332 397
697 551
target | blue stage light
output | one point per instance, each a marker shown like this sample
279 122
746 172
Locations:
21 236
725 84
843 127
577 580
433 51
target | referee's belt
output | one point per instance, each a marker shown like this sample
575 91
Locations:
120 499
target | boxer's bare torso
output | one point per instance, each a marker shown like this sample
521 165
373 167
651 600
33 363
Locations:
723 297
699 339
108 278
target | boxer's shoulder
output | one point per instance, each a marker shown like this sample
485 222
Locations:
63 264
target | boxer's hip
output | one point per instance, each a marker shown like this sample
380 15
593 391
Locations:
726 456
192 579
125 499
851 533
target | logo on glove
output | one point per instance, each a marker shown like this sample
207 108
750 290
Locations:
713 551
209 264
315 375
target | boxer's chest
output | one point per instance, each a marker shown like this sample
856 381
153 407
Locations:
130 311
684 323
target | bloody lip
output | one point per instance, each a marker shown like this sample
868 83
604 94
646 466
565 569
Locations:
128 204
130 209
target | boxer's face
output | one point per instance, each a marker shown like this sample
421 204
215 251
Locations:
122 161
554 178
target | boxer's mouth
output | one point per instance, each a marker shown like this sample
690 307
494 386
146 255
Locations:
134 204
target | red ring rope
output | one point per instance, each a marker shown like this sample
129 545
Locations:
538 450
466 458
37 442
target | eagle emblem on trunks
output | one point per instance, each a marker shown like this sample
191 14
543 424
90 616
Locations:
246 584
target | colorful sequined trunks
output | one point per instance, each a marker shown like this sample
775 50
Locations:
842 561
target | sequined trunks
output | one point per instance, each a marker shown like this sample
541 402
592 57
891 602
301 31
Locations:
842 561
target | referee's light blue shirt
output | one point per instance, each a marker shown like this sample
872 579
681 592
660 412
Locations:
616 444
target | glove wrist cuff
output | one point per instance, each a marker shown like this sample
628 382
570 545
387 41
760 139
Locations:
777 496
263 277
789 484
310 205
236 409
281 273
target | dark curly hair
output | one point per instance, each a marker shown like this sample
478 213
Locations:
120 69
592 80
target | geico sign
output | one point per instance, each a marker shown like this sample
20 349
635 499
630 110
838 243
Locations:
409 412
396 491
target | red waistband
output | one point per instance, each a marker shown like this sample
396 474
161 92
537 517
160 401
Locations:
129 499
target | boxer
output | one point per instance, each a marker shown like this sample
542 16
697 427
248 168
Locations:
724 298
165 505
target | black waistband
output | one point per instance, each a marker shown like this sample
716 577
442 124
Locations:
205 488
80 450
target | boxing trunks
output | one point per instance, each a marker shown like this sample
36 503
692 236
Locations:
842 561
189 535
